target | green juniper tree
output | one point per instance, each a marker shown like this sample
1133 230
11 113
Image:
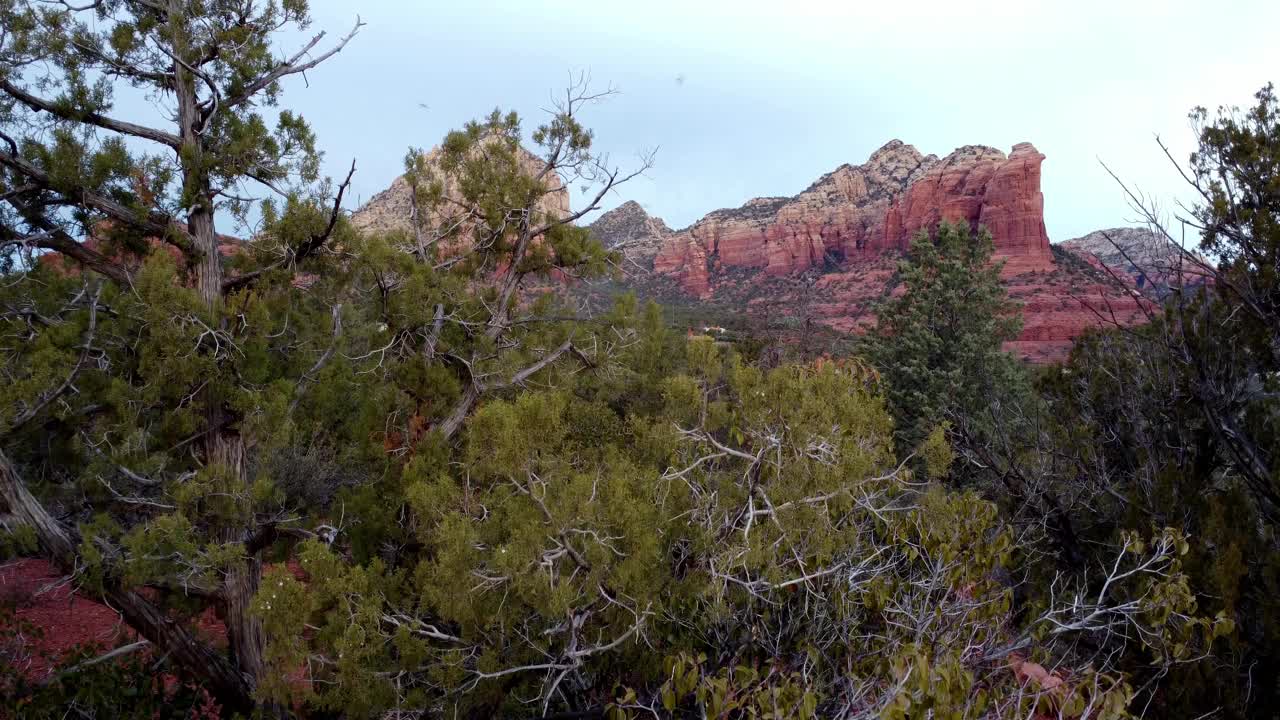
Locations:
747 545
192 430
939 349
501 507
169 367
1179 422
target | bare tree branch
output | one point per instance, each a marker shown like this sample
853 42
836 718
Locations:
292 66
93 118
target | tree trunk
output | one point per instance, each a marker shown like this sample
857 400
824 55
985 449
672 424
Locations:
196 189
458 414
223 447
224 681
415 219
244 631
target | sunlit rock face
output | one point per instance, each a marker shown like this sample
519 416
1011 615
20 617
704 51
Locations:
838 219
856 212
981 187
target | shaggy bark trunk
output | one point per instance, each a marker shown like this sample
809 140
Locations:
244 630
196 188
223 447
222 678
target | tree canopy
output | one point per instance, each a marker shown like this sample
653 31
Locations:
406 473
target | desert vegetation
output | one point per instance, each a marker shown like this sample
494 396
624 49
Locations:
333 472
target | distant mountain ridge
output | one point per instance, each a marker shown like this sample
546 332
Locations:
631 230
1152 260
829 253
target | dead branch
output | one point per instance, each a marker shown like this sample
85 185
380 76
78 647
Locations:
292 66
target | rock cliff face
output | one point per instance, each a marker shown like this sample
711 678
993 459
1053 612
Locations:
825 256
857 212
838 218
979 186
828 254
630 230
1151 260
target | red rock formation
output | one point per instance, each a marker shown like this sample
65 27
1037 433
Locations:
686 262
854 222
838 218
857 212
851 226
1060 305
1013 207
980 187
632 231
952 191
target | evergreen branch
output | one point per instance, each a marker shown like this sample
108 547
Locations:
612 182
86 347
116 68
75 8
156 224
309 376
59 241
433 338
93 118
304 250
126 472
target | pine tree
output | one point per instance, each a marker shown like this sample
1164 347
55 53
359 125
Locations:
938 345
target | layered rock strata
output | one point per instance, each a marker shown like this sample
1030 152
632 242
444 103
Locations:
852 225
859 211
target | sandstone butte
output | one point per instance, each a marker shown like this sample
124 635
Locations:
835 245
829 253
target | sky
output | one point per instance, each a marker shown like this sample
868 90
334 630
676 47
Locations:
744 99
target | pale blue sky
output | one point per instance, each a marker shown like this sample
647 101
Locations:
748 98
